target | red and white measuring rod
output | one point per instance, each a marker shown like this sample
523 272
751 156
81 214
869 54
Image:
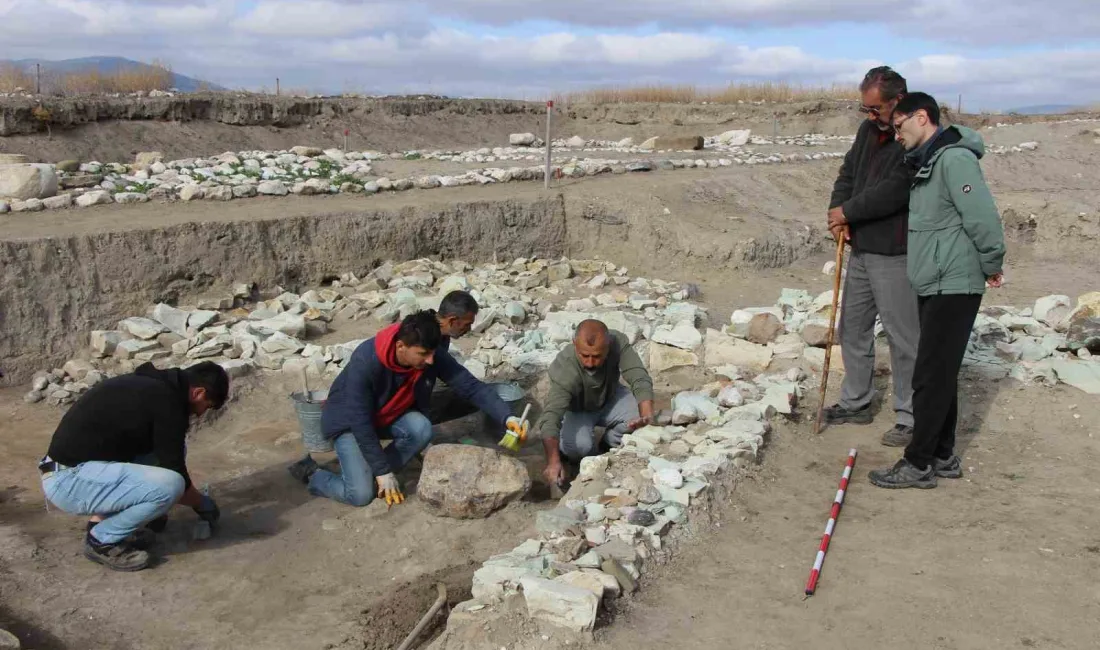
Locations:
815 573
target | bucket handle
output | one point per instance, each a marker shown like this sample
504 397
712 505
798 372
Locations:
303 380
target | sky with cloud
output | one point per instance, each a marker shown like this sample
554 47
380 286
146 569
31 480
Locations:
998 55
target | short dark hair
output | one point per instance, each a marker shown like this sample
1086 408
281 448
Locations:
421 330
457 303
213 378
919 102
889 82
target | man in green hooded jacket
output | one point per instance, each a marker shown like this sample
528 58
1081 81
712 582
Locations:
956 247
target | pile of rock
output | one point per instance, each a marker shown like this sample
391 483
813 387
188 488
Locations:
615 519
529 310
1053 341
246 330
310 170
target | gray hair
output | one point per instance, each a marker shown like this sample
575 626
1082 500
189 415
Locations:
891 84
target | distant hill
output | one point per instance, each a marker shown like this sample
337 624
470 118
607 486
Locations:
1045 109
108 65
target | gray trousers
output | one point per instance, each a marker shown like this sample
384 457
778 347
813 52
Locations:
877 285
578 436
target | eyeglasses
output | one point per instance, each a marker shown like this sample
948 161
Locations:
878 111
897 125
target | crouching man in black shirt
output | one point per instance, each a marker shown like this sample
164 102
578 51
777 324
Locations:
119 454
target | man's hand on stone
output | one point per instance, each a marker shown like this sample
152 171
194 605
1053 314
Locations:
554 472
207 510
389 489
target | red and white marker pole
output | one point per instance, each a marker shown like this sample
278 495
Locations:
811 585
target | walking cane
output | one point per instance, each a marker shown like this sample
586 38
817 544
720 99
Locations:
832 328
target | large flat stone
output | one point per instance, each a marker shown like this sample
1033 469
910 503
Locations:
666 357
142 328
174 319
28 181
573 608
722 349
467 482
1081 374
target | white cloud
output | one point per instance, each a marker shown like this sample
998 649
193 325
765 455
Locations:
658 49
953 21
389 47
320 18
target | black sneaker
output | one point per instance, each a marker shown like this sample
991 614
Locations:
837 414
303 470
141 539
904 475
949 468
899 436
118 557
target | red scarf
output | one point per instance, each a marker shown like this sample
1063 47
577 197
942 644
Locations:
385 346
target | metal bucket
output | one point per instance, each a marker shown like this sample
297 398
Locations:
308 408
513 395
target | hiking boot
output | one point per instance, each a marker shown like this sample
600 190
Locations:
837 414
118 557
899 436
303 470
904 475
141 539
949 468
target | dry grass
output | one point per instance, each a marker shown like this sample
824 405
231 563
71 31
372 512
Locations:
12 77
158 76
731 94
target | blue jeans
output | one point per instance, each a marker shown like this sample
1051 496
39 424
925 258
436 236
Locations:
127 493
354 485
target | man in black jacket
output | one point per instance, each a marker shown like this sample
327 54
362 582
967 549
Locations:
870 206
120 452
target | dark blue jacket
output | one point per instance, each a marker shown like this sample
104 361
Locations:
364 386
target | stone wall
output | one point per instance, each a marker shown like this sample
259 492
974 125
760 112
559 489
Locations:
53 291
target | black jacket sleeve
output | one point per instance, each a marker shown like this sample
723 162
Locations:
845 180
885 198
170 442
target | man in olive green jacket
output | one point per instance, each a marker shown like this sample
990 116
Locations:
956 247
585 393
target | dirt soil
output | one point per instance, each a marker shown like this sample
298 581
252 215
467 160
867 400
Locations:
201 125
284 569
1007 557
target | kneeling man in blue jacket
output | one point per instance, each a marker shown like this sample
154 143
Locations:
384 392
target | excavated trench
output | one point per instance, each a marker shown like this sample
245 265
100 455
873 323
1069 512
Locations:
55 290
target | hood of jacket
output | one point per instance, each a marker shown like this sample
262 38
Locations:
954 136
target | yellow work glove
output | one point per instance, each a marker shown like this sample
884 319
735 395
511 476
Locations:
389 489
